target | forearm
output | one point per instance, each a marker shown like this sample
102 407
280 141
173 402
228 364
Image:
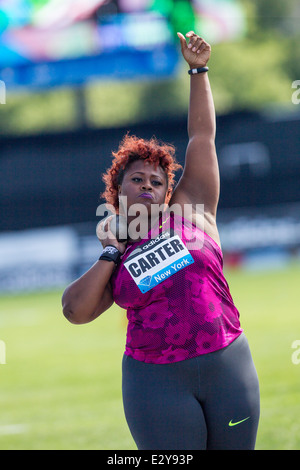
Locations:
88 296
201 116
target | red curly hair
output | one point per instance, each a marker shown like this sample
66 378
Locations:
131 149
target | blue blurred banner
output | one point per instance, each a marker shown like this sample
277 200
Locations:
45 43
70 42
131 64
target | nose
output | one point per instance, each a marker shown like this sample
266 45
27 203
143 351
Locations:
146 186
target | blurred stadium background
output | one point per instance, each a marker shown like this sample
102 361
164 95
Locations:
76 75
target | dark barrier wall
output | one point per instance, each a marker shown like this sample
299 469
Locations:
56 179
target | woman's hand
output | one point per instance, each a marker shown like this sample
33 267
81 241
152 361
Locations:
196 52
106 236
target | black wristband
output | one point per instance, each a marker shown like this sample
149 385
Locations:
111 253
201 70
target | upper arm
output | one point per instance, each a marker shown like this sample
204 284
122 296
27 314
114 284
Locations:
200 180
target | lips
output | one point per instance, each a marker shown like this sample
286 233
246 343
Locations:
146 195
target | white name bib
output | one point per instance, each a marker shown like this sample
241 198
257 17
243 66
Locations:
157 260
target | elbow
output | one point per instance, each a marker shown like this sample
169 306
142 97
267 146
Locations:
77 316
71 313
71 317
80 312
202 130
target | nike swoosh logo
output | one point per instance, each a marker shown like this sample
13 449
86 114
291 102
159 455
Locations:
238 422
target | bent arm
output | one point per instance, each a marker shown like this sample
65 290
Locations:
90 295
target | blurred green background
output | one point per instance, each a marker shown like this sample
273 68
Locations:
60 384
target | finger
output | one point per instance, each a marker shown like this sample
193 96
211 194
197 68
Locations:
197 44
182 40
105 224
99 230
181 36
193 40
108 227
190 34
103 228
202 47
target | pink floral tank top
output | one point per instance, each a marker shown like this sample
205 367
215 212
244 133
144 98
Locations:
178 302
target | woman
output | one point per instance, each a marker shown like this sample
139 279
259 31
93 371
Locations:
189 381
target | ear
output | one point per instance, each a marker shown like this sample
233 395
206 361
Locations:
168 195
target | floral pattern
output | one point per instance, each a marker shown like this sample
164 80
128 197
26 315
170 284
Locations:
189 314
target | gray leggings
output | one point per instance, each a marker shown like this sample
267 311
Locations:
208 402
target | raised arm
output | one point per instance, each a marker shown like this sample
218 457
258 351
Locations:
200 182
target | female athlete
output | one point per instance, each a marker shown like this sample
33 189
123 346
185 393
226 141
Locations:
188 382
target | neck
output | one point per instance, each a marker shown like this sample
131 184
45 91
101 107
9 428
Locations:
139 227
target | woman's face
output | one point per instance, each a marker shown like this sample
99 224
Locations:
143 184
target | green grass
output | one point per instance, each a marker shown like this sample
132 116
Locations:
63 382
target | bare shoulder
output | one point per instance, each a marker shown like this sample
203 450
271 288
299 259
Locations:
211 229
203 219
205 222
